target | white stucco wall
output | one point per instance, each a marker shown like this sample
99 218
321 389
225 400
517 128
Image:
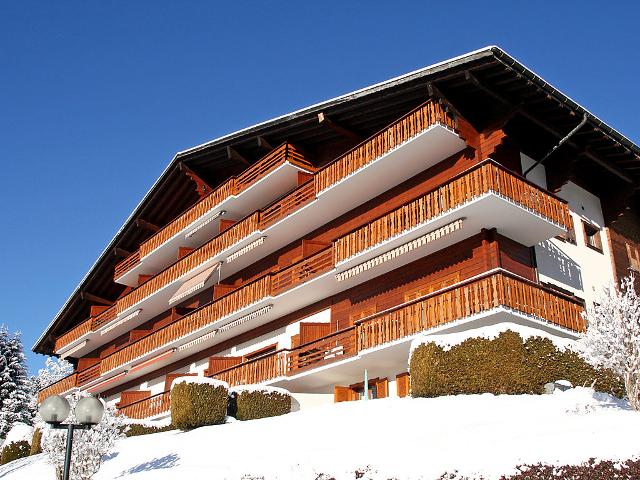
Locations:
577 268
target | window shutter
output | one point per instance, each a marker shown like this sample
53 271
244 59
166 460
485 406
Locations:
382 388
342 394
403 384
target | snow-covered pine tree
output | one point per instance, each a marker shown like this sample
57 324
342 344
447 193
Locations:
16 389
612 339
54 370
89 446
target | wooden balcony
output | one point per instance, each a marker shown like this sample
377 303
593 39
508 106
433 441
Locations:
233 186
481 179
259 289
92 324
407 127
458 302
148 407
58 388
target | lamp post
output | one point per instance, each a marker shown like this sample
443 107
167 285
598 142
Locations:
55 409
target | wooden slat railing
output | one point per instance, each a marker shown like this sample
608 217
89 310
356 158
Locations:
104 318
187 263
255 371
148 407
467 299
334 347
413 123
187 218
303 271
73 334
270 162
88 374
287 205
127 264
61 386
480 179
249 294
233 186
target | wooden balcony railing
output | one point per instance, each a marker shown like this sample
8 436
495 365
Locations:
287 205
73 334
480 179
127 264
61 386
407 127
256 370
104 318
334 347
303 271
249 294
148 407
472 297
88 374
233 186
89 325
187 263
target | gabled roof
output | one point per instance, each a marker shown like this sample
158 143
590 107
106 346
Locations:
485 85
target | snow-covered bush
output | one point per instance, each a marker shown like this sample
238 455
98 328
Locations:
198 401
14 451
16 389
250 402
503 364
612 339
89 446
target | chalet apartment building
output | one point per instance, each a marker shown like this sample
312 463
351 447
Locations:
302 251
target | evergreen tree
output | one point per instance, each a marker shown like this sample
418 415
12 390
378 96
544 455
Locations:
16 388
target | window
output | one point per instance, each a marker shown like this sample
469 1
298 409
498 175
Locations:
263 351
633 254
592 236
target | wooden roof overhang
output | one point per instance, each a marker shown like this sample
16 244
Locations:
487 87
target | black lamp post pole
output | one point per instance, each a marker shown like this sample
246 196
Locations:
69 427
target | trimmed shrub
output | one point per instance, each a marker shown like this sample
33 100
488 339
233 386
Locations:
504 365
135 429
36 448
14 451
260 402
198 401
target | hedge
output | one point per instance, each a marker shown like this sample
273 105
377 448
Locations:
504 365
136 429
36 447
15 450
250 403
196 402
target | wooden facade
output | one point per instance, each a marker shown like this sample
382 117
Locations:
482 274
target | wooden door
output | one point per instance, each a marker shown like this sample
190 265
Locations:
343 394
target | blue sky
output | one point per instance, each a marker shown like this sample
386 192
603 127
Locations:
96 97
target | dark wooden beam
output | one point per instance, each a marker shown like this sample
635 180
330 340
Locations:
150 227
232 154
263 144
532 118
90 297
323 119
202 187
121 252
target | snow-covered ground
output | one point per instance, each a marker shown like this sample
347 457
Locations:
390 438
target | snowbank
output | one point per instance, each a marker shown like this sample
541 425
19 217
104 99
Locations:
390 438
18 433
490 332
200 381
